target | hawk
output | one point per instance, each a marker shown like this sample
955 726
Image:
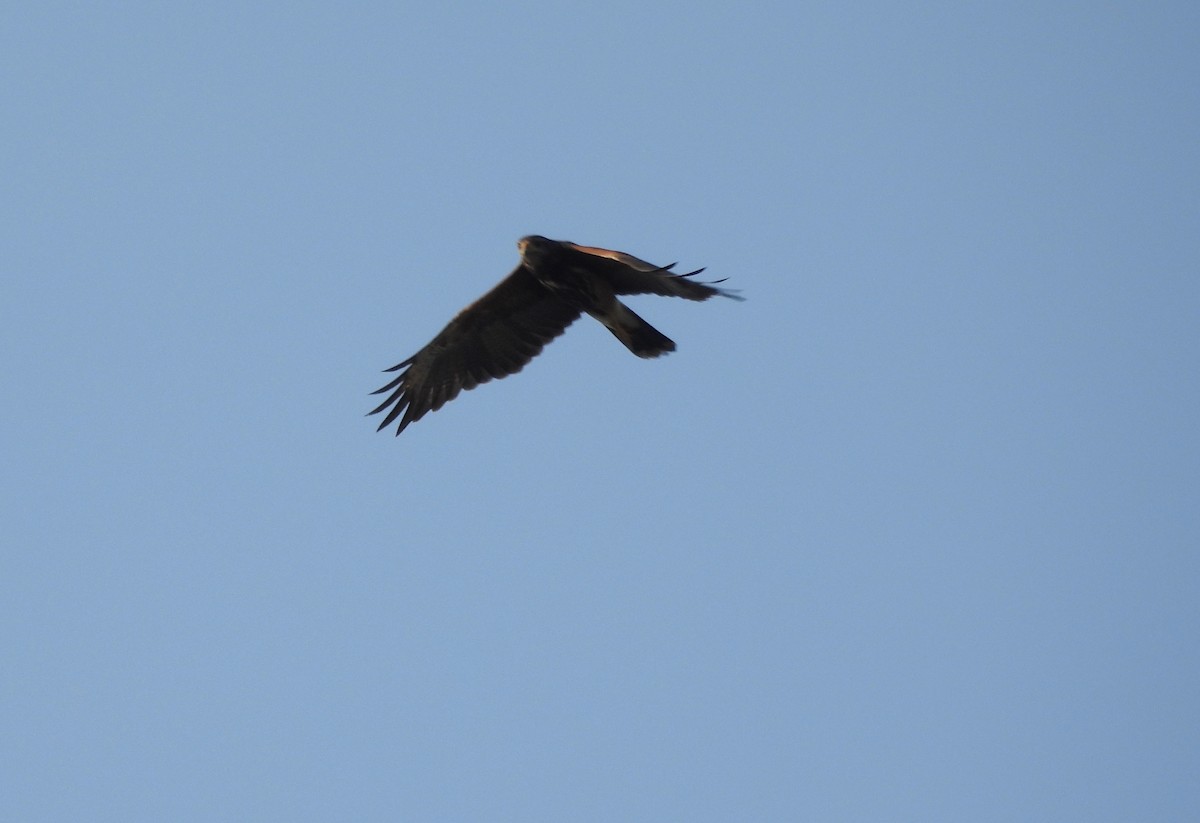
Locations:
555 282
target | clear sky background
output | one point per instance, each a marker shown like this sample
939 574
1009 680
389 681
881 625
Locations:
910 535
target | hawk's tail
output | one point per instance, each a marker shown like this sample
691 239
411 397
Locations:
638 336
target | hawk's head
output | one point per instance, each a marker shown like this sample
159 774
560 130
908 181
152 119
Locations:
536 250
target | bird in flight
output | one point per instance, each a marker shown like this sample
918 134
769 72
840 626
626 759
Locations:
555 282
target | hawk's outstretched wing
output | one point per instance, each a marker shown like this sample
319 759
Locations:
492 338
631 275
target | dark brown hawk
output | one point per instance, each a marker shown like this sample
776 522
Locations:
499 333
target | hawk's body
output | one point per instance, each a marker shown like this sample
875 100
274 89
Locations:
500 332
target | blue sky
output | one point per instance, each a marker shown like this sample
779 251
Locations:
911 534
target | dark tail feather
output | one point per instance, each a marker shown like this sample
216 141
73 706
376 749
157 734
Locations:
638 336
